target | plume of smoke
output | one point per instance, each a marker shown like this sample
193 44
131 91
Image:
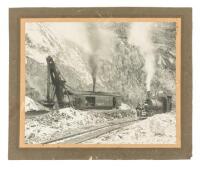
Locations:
94 67
95 42
93 36
140 36
101 40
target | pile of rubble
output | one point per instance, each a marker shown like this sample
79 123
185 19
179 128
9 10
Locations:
31 105
56 123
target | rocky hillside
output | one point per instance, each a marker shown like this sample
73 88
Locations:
41 42
120 63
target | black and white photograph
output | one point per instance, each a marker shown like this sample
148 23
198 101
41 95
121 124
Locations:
101 82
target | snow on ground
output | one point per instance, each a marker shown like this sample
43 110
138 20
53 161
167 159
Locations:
31 105
158 129
54 124
124 106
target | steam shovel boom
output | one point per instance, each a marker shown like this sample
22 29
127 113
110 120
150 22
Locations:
55 78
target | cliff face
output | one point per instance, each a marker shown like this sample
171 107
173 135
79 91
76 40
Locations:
120 70
36 79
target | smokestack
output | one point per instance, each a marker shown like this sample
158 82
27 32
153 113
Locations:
94 83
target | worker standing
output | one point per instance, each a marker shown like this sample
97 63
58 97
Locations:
138 110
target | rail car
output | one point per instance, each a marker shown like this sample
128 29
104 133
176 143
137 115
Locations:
96 100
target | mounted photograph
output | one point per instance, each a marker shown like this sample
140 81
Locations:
100 82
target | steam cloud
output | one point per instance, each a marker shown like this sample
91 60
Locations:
140 35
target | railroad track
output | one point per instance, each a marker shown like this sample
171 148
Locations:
91 133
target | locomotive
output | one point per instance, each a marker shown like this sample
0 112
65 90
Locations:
153 105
